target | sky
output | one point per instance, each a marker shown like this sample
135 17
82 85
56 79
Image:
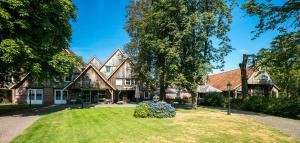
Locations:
99 31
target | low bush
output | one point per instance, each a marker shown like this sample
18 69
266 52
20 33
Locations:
285 107
150 109
213 99
141 111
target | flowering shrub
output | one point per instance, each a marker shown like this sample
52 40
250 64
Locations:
141 111
154 110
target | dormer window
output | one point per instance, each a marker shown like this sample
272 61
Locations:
108 68
67 78
264 77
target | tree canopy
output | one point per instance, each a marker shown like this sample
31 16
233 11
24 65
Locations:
171 41
282 59
33 36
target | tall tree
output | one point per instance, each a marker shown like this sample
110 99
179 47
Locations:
282 61
210 22
171 41
156 29
33 36
283 58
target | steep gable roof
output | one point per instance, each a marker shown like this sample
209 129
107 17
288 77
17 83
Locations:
117 68
220 80
84 71
118 50
94 58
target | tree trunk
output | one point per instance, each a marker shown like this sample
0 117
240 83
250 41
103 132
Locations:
194 100
244 77
162 92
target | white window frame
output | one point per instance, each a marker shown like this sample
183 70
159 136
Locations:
148 95
61 100
34 100
132 82
119 81
65 77
127 79
264 77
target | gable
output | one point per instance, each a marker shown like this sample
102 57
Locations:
112 62
260 77
90 78
123 71
96 62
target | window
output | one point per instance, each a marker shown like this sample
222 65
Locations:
60 96
57 95
127 81
132 82
101 94
35 96
67 78
32 94
264 77
146 95
119 82
65 95
108 68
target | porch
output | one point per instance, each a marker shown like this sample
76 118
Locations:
91 95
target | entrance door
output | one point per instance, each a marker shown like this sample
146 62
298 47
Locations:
94 96
86 95
60 96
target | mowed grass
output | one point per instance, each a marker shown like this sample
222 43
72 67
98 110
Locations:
98 125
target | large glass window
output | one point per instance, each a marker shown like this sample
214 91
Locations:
35 96
60 96
32 94
57 95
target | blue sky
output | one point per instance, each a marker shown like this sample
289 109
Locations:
99 30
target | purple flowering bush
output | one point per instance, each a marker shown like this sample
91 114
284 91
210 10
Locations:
150 109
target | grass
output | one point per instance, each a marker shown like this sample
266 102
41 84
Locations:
5 108
118 125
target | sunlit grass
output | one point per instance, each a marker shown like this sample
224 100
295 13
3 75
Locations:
118 125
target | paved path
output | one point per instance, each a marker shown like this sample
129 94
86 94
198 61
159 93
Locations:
289 126
14 123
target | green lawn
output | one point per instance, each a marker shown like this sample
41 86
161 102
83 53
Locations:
118 125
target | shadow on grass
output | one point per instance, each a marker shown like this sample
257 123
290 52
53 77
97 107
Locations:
222 109
41 110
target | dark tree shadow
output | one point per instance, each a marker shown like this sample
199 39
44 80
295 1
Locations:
43 110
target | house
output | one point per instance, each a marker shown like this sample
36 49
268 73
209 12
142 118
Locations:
259 82
112 81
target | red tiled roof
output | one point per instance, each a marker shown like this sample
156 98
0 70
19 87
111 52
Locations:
220 80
